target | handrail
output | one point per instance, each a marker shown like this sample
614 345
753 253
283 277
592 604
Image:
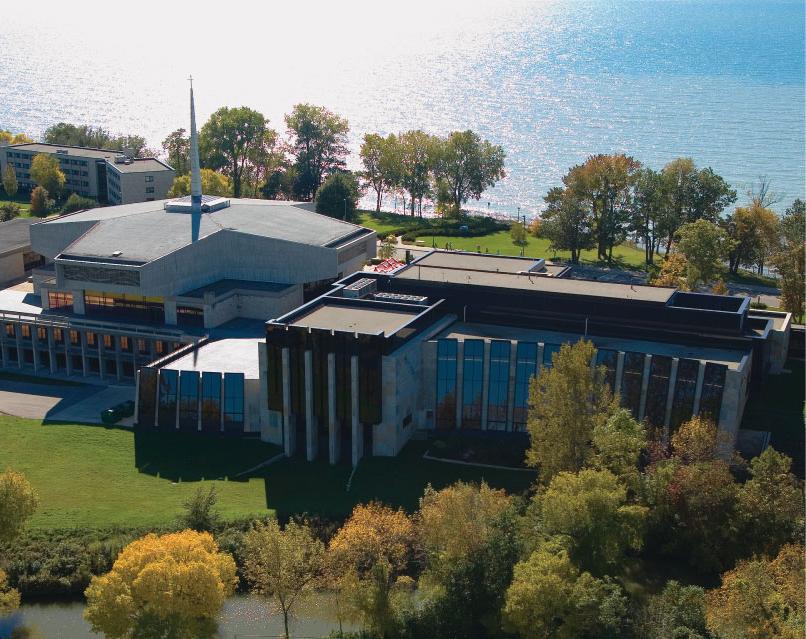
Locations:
64 321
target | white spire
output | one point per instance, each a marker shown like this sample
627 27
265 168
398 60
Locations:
195 175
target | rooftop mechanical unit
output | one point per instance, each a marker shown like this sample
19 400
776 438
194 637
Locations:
401 297
361 288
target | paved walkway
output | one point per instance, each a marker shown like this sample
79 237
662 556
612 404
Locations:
59 402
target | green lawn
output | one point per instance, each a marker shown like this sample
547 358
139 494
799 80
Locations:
382 222
23 202
500 242
93 476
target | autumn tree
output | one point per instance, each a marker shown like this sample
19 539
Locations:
10 185
162 586
753 234
550 598
232 141
283 565
770 504
7 137
760 599
369 553
678 611
566 223
318 145
567 401
46 173
705 246
177 148
673 272
212 183
589 510
379 157
18 502
468 165
618 444
792 274
417 157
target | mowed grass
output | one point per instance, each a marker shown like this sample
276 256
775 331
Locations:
88 475
382 223
500 242
91 476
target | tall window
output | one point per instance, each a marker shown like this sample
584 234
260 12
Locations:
631 381
233 402
92 339
498 390
169 386
658 389
211 402
58 336
446 383
525 369
608 359
146 397
60 299
75 338
548 354
685 388
712 386
189 400
472 383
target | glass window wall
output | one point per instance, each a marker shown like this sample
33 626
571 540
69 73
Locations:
685 388
658 389
525 369
631 381
211 402
712 386
472 383
189 400
233 402
498 388
446 383
169 387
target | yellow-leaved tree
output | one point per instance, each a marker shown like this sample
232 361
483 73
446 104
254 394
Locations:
162 586
18 502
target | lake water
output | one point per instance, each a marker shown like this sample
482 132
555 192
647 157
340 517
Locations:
552 81
242 616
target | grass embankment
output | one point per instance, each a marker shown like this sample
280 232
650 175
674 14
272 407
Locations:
23 202
91 476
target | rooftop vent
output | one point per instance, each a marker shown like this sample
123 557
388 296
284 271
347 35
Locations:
210 203
361 288
122 159
62 151
117 253
401 297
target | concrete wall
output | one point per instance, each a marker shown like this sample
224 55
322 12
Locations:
12 267
50 240
133 186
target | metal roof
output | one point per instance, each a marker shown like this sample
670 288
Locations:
15 235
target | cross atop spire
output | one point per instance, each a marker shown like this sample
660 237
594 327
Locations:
195 173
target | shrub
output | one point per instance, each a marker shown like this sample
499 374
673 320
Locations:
77 203
40 204
200 510
8 211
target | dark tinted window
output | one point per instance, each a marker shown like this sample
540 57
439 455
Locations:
169 387
525 369
712 387
211 402
189 400
233 402
631 380
472 381
498 391
146 397
685 388
446 383
658 389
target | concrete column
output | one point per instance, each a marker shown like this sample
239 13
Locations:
667 418
101 355
20 356
311 432
460 376
178 396
3 351
333 426
513 370
485 383
221 395
170 312
35 347
540 348
288 432
136 396
198 398
78 302
358 430
619 372
644 386
52 350
68 359
698 391
118 358
84 363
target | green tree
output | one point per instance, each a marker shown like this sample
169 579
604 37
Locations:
177 148
96 137
7 137
338 196
200 512
566 223
18 502
387 248
618 444
517 231
590 511
753 234
793 223
567 401
10 185
75 202
417 153
40 204
677 612
549 598
212 183
705 246
318 144
45 171
468 164
283 565
232 140
650 209
381 164
790 265
760 599
770 504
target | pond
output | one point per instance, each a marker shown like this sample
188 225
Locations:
242 616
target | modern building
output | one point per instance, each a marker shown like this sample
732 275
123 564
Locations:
108 176
451 342
16 256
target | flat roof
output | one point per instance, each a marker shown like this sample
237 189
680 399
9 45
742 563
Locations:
145 231
368 320
536 283
225 286
466 330
141 165
233 355
15 235
485 262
